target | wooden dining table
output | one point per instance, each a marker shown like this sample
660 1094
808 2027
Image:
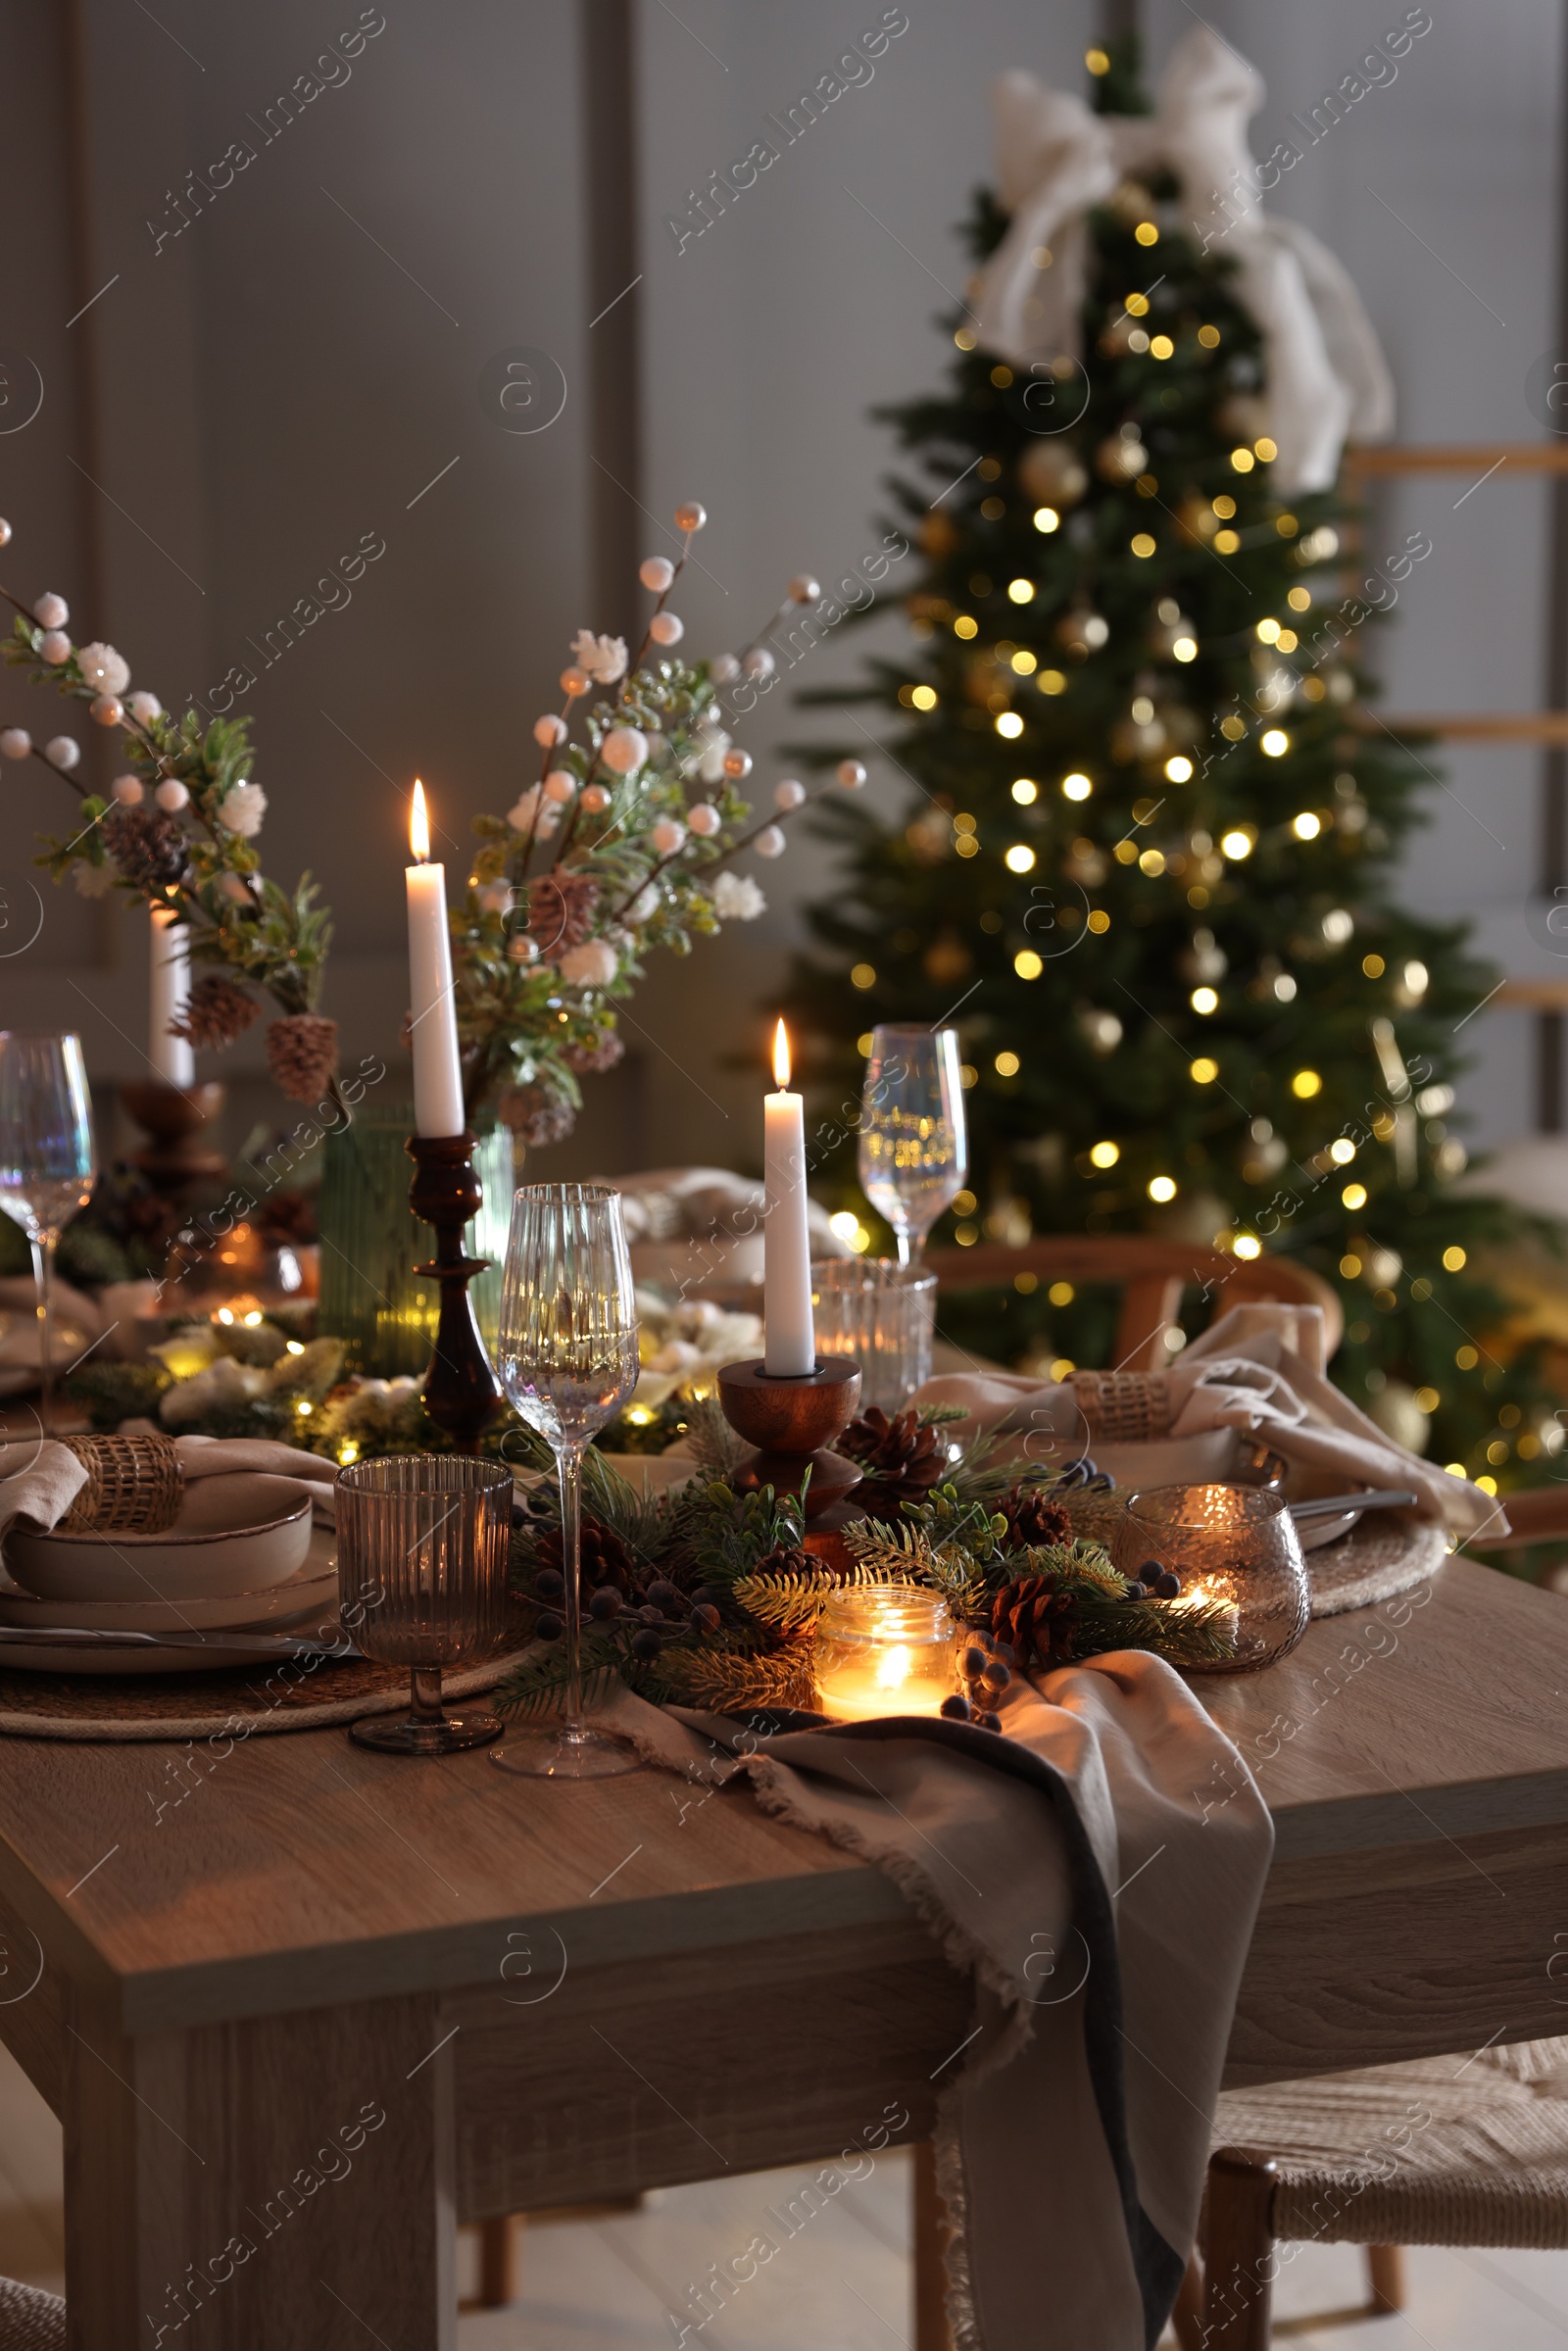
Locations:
302 2008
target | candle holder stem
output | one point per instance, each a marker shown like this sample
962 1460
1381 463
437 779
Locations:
460 1387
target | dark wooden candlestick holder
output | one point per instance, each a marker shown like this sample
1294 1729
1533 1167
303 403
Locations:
793 1423
460 1387
174 1161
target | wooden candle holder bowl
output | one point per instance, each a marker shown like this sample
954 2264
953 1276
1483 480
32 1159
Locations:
793 1423
175 1159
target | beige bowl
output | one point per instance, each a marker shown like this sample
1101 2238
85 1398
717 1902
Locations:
240 1534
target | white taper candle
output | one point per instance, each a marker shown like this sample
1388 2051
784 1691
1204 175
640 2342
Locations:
437 1068
790 1339
168 992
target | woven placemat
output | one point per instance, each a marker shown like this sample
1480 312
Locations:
1390 1551
288 1693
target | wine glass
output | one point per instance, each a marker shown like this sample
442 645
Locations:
47 1165
915 1149
568 1358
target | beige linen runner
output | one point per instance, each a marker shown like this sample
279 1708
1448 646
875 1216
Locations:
1096 1871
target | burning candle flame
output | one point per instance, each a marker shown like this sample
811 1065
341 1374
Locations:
420 826
781 1057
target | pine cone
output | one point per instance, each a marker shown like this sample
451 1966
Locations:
604 1052
148 847
536 1114
901 1459
1038 1618
560 911
1034 1522
786 1561
302 1054
217 1012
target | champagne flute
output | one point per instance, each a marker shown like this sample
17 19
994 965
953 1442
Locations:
47 1166
914 1148
568 1358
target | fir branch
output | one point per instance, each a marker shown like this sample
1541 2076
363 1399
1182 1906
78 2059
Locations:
729 1680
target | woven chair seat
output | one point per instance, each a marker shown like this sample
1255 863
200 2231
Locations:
31 2319
1444 2151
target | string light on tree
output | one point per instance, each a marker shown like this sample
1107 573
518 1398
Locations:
1086 602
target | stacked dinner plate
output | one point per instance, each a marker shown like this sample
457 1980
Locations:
235 1575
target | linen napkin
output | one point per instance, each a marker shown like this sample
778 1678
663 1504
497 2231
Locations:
40 1478
1096 1871
226 1456
1244 1375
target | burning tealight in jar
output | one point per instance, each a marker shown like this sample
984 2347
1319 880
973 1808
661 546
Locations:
885 1648
1236 1551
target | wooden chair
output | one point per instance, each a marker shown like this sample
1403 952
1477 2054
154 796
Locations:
1445 2151
29 2319
1152 1273
1298 2168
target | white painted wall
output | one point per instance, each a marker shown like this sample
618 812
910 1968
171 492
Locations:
283 378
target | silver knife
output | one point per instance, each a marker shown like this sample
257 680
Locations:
266 1645
1328 1505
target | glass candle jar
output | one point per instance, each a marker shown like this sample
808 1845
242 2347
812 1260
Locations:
883 1316
885 1648
1234 1544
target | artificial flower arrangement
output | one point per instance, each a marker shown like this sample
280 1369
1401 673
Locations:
708 1597
601 858
249 1371
623 843
246 1372
683 1346
179 831
237 1373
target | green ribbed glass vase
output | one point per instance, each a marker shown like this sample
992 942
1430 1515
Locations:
372 1298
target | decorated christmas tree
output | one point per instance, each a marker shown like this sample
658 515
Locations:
1149 866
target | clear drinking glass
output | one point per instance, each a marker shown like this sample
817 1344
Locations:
914 1147
47 1165
424 1546
883 1316
567 1359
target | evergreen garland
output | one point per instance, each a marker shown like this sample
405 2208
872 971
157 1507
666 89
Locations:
723 1601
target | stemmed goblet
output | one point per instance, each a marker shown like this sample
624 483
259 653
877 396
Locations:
422 1540
568 1358
914 1147
47 1166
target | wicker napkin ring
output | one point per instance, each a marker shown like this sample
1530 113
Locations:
134 1485
1123 1408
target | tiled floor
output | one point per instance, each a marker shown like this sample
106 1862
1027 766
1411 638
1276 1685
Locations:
838 2281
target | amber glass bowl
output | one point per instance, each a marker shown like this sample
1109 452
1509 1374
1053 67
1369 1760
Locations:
1235 1544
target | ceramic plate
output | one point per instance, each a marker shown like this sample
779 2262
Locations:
36 1656
311 1588
235 1536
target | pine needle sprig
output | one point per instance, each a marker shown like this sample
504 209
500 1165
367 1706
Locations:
538 1682
730 1678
